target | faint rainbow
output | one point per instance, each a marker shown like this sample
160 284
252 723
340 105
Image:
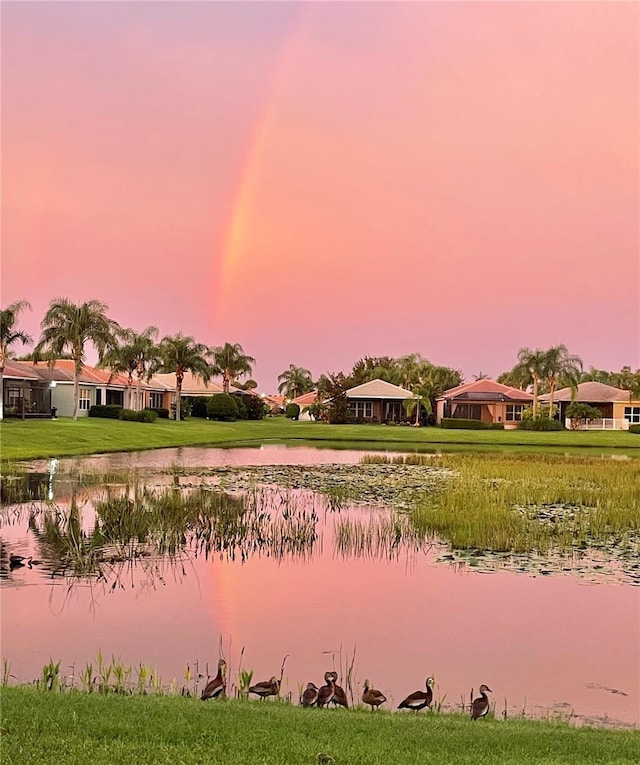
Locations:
236 238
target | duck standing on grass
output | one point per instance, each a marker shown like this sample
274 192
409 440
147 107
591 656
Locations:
327 691
339 695
310 695
372 697
266 688
419 699
480 706
216 688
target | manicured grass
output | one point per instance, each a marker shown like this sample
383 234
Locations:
64 437
76 729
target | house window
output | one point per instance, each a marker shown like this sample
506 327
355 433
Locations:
155 400
468 412
632 414
514 412
84 401
361 410
13 396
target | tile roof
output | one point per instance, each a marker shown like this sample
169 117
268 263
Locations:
486 390
20 370
192 385
306 399
590 392
379 389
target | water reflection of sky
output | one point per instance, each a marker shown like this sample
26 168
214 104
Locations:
541 643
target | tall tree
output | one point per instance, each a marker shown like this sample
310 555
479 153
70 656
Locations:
135 352
180 353
230 361
69 327
373 368
532 367
332 390
295 381
627 380
421 399
559 363
9 335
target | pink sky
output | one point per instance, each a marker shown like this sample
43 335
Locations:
320 182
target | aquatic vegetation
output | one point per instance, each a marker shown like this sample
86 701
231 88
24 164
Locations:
527 504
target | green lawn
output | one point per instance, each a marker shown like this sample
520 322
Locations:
64 437
78 729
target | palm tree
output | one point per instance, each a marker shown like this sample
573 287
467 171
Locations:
9 335
421 398
295 381
180 353
558 362
231 362
135 352
67 326
532 367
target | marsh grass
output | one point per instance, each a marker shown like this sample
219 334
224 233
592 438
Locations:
529 503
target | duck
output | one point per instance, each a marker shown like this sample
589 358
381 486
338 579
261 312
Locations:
327 691
480 706
419 699
267 688
310 695
372 697
216 688
17 561
339 695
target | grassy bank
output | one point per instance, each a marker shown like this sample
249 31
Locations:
64 437
77 728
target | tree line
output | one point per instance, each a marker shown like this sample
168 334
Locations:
68 328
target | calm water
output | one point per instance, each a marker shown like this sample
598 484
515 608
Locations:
544 644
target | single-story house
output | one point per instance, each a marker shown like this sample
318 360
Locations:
24 393
378 401
619 409
41 388
485 400
192 387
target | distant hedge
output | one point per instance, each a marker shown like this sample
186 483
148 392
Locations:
145 415
109 411
115 412
456 422
540 423
634 429
162 413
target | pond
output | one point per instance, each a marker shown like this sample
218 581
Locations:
315 577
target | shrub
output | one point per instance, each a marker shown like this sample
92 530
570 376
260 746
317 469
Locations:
292 412
109 411
241 407
256 408
634 429
199 406
163 414
540 423
222 407
130 415
458 422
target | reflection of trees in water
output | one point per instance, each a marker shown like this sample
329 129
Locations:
145 530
